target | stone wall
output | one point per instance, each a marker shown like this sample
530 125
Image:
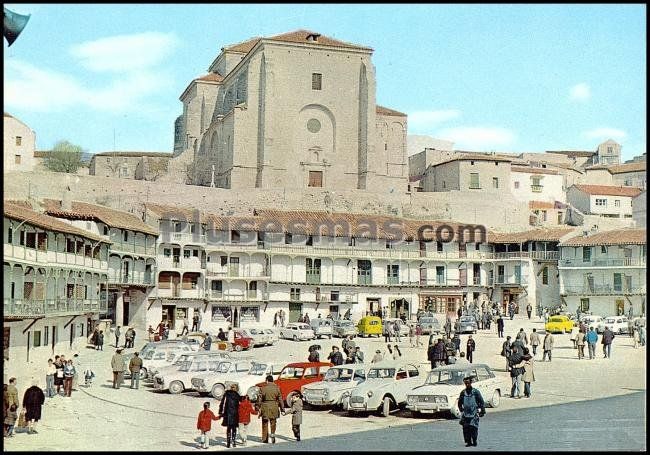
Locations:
503 213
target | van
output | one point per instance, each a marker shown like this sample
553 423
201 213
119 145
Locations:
369 325
321 327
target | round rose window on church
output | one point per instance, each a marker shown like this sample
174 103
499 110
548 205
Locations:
313 125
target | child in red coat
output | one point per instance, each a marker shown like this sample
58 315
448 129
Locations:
245 410
204 424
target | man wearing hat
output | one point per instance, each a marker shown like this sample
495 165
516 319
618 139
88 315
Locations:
269 403
471 407
377 357
118 366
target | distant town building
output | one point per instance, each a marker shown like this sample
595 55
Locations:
467 171
130 165
19 144
639 203
603 200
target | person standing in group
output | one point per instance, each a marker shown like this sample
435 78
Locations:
229 413
221 336
418 333
32 404
592 339
204 424
529 375
448 328
450 350
269 401
506 351
195 321
117 336
359 357
411 334
608 337
186 326
529 310
534 341
245 410
580 343
296 414
12 393
335 356
68 374
516 372
635 337
456 341
548 346
117 365
50 373
58 378
100 340
470 348
500 326
439 353
472 406
135 365
207 342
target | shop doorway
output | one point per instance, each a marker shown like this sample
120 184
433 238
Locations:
373 307
125 314
168 312
620 307
399 307
295 311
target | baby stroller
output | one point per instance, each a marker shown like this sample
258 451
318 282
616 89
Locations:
89 375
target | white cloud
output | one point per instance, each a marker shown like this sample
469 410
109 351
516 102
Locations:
125 53
478 137
423 121
580 92
605 133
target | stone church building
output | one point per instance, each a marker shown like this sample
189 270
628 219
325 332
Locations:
294 110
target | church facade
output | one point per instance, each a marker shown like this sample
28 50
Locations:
295 110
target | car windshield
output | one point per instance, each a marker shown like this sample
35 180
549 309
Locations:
556 320
454 377
185 366
381 373
466 319
258 369
345 324
339 375
302 326
428 320
148 355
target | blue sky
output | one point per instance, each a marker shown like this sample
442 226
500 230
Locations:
493 77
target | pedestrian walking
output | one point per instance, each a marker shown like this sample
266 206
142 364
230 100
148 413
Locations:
534 341
456 341
10 420
68 374
470 348
296 414
269 401
186 326
635 337
229 413
89 375
377 357
33 400
511 310
50 373
135 365
117 336
335 356
521 336
448 328
275 319
100 340
397 328
411 335
500 326
608 337
418 333
117 365
245 410
11 395
574 336
529 375
529 310
471 407
592 339
58 378
204 424
580 343
506 351
548 346
195 321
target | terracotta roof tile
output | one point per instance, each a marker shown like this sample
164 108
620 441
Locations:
297 36
381 110
210 77
539 235
20 203
639 166
110 217
243 47
20 212
135 154
474 156
613 237
536 205
534 170
609 190
578 153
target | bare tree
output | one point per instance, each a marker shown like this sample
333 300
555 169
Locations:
64 157
155 168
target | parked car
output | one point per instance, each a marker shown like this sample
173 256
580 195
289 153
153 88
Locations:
429 325
592 321
403 326
639 321
181 379
273 335
338 380
217 384
260 336
468 324
297 331
162 355
443 385
385 387
241 340
369 325
293 376
215 380
182 357
321 327
559 324
617 324
343 328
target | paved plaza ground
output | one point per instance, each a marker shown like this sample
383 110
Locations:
101 418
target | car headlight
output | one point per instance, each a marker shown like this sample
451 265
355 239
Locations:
326 392
369 393
410 399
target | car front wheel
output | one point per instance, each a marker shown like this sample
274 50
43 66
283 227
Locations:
496 399
238 347
143 373
175 387
218 391
295 338
289 398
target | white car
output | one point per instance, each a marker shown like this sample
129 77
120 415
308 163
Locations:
297 331
273 335
161 356
617 324
260 338
183 357
443 386
180 380
217 384
591 320
339 381
385 387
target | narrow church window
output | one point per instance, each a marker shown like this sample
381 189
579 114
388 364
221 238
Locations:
316 81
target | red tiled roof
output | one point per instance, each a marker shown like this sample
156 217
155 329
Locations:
609 190
244 47
579 153
297 36
537 205
210 77
381 110
639 166
538 235
613 237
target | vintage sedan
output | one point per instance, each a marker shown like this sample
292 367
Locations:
430 325
343 328
181 380
292 377
183 357
339 381
617 324
559 324
467 324
257 335
297 331
440 391
385 387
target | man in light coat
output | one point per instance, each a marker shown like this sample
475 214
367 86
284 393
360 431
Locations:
118 367
548 346
534 341
134 367
269 403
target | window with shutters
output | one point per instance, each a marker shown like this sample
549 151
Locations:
316 81
474 181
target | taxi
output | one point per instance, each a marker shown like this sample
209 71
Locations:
559 324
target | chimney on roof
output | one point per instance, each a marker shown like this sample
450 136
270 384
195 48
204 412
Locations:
66 199
313 37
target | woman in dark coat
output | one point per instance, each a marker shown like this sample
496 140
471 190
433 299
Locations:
32 403
58 377
229 413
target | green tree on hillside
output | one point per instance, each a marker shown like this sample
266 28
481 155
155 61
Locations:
64 157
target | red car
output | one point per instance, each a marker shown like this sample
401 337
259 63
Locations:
295 375
241 341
